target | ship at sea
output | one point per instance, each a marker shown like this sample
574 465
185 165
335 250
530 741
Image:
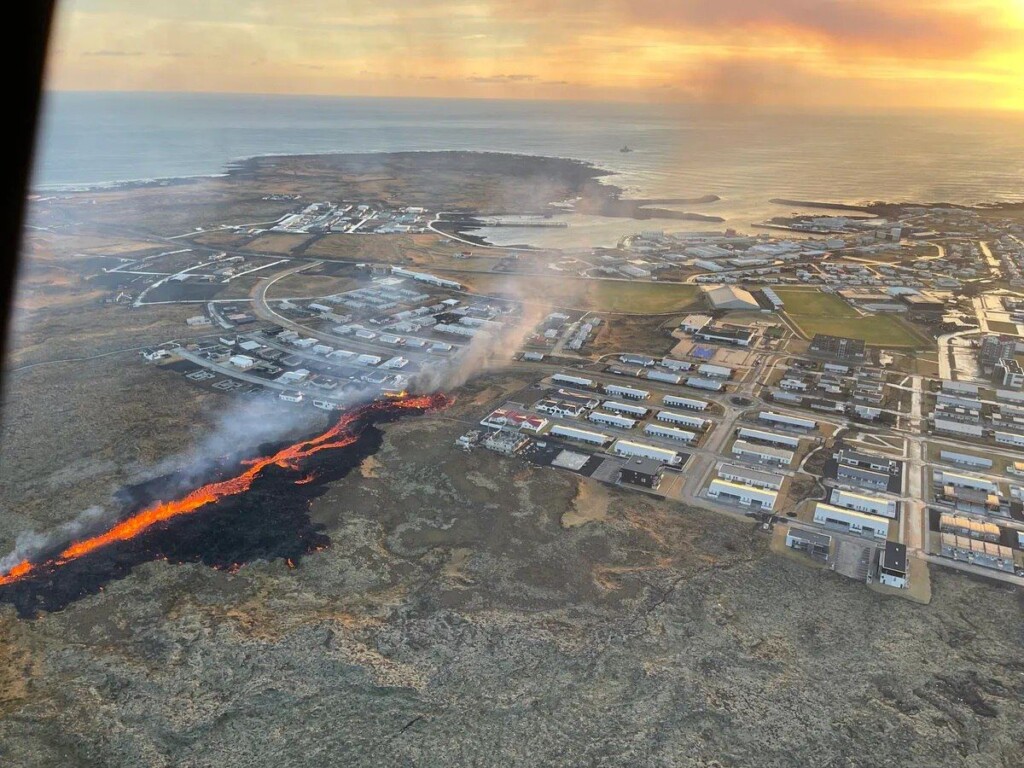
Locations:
625 148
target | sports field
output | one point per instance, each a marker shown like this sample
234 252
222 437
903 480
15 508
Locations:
814 312
590 295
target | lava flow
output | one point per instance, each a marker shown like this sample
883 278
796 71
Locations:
344 433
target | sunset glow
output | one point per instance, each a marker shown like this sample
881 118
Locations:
807 53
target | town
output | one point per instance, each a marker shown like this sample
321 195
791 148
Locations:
853 385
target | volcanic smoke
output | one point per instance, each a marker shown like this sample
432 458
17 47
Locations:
340 435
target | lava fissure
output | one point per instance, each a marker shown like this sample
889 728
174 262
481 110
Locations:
344 433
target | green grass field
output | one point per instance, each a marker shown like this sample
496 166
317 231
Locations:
814 303
591 295
816 312
999 326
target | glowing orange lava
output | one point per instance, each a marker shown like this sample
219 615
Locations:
337 436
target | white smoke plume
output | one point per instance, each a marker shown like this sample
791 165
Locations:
29 545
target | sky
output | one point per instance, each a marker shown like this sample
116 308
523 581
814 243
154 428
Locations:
861 54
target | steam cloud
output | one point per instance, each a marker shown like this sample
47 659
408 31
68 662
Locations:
246 424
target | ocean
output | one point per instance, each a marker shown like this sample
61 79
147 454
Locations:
744 157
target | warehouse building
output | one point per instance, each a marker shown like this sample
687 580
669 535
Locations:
715 371
698 382
772 438
966 459
858 502
633 410
665 376
747 495
737 474
657 430
716 334
643 450
643 472
630 392
682 419
892 565
761 453
584 436
957 480
612 420
730 297
951 427
969 528
850 521
574 381
981 553
1010 438
787 421
685 402
676 365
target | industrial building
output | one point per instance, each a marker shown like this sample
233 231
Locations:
612 420
815 544
981 553
694 323
657 430
737 474
1010 438
630 392
966 459
633 410
858 502
642 471
642 360
665 376
892 565
715 371
685 402
747 495
730 297
969 528
676 365
643 450
957 480
682 419
716 334
575 381
952 427
850 521
584 436
787 421
761 453
701 383
772 438
863 460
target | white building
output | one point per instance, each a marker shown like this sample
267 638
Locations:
244 362
643 450
584 436
665 376
685 402
789 421
715 371
973 482
698 382
657 430
681 418
1010 438
630 392
632 410
575 381
850 521
761 453
772 438
737 474
612 420
723 490
859 502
